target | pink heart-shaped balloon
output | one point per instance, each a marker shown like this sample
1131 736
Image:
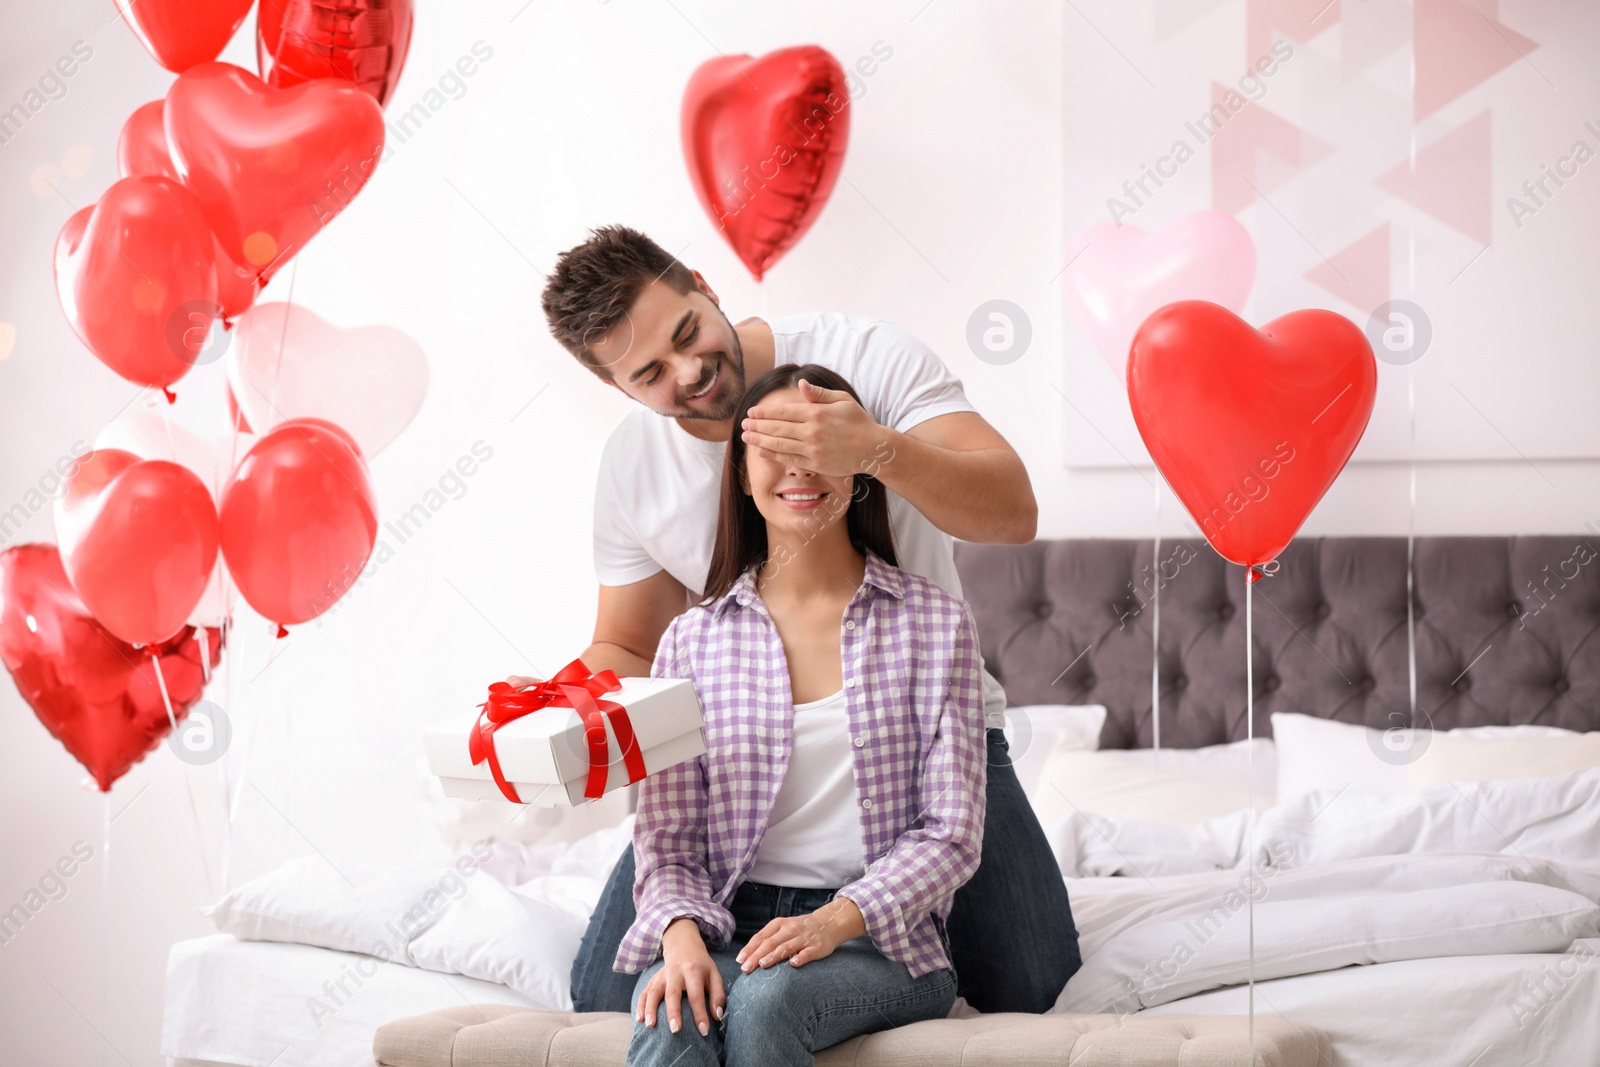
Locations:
368 380
138 540
1117 275
270 167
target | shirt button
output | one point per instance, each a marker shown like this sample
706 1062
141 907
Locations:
866 803
851 625
860 741
851 683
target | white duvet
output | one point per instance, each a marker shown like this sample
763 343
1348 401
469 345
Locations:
1491 886
1333 880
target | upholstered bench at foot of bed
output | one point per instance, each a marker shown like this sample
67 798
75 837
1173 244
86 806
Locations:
500 1035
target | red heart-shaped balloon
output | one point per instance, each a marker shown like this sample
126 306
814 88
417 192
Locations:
1250 427
142 144
96 694
138 541
181 33
142 149
131 270
365 45
270 167
298 520
764 140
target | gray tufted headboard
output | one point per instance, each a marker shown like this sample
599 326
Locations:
1507 631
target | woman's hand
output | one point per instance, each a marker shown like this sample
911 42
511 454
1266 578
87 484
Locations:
803 938
688 969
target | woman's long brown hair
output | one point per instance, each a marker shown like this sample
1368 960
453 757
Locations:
741 528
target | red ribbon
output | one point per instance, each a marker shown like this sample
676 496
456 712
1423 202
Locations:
572 687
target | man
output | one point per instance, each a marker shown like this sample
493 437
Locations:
653 329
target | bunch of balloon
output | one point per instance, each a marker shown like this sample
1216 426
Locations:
1250 427
215 182
764 140
1116 276
112 636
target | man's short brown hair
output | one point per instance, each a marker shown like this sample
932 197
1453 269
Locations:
595 283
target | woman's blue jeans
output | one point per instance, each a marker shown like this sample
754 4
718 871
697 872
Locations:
1011 932
778 1016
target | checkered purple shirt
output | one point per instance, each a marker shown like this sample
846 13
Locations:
914 704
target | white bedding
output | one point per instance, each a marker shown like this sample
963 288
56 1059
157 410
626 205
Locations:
261 1002
1468 1011
1396 923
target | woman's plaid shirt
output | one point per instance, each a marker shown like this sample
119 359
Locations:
914 705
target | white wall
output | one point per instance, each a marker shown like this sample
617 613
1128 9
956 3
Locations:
951 196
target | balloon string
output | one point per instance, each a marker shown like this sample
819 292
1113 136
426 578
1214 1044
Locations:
1411 421
1250 799
105 914
249 749
188 786
283 335
1411 552
1155 634
227 787
155 661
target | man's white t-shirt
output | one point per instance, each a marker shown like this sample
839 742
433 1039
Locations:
659 489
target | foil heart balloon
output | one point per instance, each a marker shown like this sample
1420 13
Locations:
363 42
142 149
130 270
1250 427
181 33
96 694
286 363
138 541
270 167
1117 274
764 140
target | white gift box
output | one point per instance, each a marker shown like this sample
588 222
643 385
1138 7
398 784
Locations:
545 755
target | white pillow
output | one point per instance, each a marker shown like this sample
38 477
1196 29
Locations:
1225 765
1453 758
526 938
1158 962
1032 731
1104 783
371 908
1316 754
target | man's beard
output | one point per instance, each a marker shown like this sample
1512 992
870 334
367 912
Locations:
732 384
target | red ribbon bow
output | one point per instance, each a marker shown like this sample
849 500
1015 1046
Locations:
572 687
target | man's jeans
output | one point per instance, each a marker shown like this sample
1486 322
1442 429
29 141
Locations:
1011 932
778 1016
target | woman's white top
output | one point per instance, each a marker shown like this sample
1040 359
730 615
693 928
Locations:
813 836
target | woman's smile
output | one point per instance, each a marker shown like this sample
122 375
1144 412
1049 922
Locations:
801 499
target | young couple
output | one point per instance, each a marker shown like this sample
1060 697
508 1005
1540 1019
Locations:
854 849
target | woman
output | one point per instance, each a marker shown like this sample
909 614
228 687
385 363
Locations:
793 882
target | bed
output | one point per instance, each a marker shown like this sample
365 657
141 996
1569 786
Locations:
1471 910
